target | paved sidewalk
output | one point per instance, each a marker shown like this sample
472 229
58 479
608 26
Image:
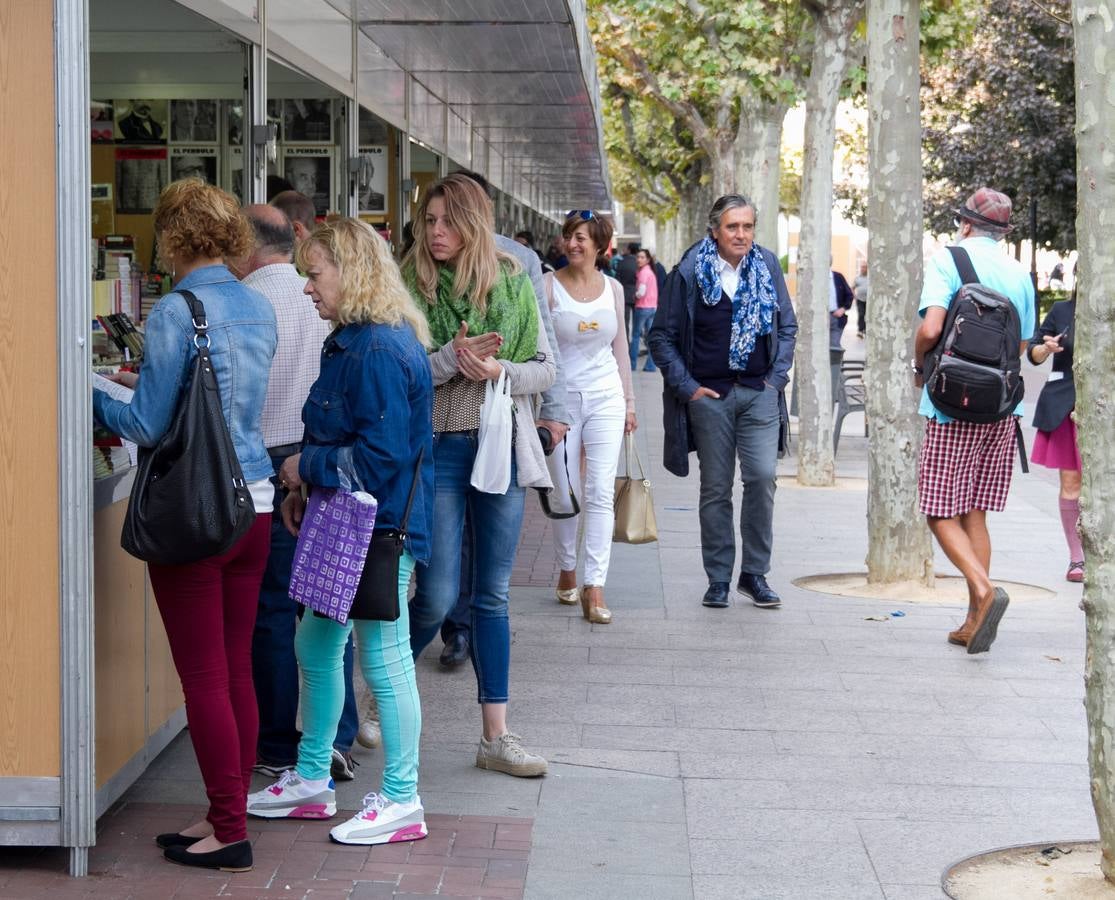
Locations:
803 753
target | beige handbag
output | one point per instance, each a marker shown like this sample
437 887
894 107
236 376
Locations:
634 505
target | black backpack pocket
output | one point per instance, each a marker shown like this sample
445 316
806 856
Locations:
978 341
968 391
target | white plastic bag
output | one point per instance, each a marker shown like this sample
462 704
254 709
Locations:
491 470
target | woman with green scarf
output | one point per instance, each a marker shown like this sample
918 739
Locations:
483 316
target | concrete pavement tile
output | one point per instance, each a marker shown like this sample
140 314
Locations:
761 719
781 698
892 722
606 763
731 887
628 799
560 884
463 804
938 684
917 852
715 808
544 652
708 739
779 767
913 892
1013 750
577 846
590 674
639 695
878 746
773 859
966 771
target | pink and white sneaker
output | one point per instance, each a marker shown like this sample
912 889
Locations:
383 821
292 798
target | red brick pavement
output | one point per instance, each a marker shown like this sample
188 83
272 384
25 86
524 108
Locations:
535 565
478 857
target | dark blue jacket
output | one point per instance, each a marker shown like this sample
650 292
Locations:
1057 398
671 345
375 395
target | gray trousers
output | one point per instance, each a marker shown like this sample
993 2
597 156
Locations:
743 424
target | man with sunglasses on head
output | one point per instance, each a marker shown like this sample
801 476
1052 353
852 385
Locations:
724 338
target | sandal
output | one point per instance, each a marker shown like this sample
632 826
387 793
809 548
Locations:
1075 572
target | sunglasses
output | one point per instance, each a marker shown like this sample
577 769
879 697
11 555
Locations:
585 215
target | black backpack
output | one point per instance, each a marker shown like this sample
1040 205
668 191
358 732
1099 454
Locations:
974 374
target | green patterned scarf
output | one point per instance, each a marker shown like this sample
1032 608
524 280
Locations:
512 311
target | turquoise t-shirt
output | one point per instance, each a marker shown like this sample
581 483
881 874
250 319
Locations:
997 271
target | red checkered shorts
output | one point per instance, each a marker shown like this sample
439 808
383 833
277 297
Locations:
965 466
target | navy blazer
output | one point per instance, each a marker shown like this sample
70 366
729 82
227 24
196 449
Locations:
1057 398
671 345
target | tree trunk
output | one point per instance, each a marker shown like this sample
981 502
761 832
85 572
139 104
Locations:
757 153
1093 364
898 544
830 60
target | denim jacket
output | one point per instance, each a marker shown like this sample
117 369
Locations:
374 399
242 336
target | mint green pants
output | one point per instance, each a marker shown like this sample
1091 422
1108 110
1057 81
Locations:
383 650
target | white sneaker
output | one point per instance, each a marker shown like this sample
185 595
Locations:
507 754
292 798
370 734
383 821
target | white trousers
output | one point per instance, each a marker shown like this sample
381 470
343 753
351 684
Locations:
597 428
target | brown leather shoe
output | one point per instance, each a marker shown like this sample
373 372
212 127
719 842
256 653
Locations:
959 637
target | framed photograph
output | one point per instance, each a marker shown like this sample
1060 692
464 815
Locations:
234 116
308 121
193 121
373 130
101 121
310 172
140 178
140 121
373 180
194 162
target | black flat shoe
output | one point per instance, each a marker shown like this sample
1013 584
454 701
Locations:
455 651
233 858
174 839
717 595
760 593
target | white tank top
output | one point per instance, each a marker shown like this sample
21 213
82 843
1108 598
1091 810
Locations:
585 332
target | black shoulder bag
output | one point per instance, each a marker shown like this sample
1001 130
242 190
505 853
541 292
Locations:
189 500
377 595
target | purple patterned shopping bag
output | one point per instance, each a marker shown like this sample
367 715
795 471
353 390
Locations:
332 545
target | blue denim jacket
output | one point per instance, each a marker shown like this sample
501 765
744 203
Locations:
242 335
374 398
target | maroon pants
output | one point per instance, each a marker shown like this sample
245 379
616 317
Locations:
209 611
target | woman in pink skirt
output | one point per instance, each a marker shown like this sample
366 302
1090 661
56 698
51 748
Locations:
1055 445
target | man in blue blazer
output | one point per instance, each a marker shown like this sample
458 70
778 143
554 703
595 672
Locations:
723 338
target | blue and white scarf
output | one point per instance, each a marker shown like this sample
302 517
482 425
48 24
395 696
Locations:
752 305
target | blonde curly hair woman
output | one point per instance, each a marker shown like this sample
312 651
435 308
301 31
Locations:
367 414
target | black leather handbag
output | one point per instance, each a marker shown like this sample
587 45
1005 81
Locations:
377 595
189 500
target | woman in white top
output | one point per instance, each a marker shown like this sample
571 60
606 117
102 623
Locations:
587 309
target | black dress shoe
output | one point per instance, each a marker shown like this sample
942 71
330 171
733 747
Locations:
717 595
455 651
756 587
233 858
174 839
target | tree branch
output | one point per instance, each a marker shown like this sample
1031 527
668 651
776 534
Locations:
1051 13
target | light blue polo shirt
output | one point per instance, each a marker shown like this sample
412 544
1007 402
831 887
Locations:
997 271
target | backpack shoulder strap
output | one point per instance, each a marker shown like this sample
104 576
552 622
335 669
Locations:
964 265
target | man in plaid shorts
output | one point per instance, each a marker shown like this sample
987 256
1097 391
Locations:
965 468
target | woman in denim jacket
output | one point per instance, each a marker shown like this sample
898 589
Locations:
209 607
484 321
367 414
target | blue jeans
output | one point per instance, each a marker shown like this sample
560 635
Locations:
460 616
642 320
496 519
274 668
388 668
742 425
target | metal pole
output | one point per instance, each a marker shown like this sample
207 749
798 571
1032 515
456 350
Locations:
75 424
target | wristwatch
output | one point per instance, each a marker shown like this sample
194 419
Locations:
915 368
